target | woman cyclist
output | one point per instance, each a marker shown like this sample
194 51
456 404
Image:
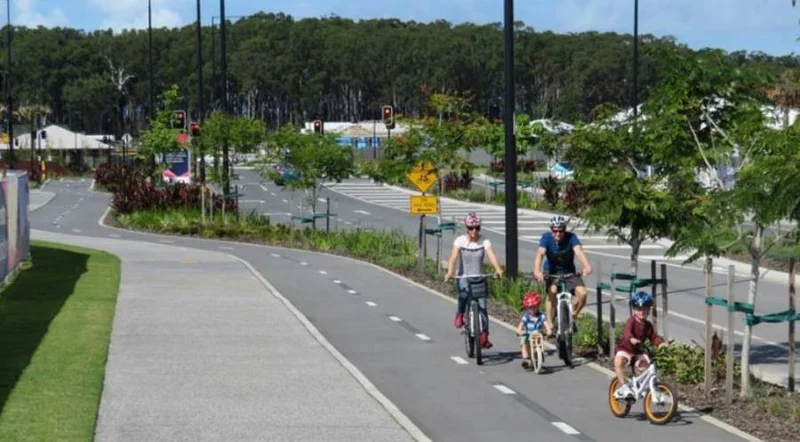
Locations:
470 250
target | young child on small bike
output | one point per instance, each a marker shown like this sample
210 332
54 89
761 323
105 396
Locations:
637 329
532 321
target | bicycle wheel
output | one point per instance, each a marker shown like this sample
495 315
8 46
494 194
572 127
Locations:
655 419
565 337
478 327
538 357
468 331
618 408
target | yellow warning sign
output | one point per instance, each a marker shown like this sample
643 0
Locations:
424 205
422 176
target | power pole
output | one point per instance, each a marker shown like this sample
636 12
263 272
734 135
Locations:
512 254
226 184
200 108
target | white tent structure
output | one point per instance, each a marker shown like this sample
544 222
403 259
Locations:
63 145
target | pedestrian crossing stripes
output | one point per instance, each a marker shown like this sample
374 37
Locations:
530 226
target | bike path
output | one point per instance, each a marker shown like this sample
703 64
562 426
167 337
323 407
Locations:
686 285
402 338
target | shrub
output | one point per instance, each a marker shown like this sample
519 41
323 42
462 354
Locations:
457 181
551 188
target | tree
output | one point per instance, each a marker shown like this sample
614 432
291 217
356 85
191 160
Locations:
161 138
621 201
315 159
242 135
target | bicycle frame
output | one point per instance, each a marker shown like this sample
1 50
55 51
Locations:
645 382
563 295
466 327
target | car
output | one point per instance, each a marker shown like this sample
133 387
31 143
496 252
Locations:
284 173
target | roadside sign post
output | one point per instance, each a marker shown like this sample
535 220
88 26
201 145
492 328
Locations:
422 176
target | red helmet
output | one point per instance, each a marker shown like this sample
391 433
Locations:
532 299
472 220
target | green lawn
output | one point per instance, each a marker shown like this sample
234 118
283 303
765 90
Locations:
55 326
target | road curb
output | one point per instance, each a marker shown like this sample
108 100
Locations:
414 431
597 367
46 201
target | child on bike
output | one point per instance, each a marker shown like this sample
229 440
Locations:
532 321
637 329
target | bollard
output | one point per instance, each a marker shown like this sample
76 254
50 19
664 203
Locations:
665 310
328 214
612 335
654 292
600 308
707 269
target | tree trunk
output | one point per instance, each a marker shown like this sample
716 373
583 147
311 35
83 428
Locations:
755 262
635 244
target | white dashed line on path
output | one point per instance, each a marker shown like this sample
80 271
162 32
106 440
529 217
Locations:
459 360
352 292
395 318
275 255
76 230
323 272
503 389
371 304
423 337
363 212
563 426
303 263
336 281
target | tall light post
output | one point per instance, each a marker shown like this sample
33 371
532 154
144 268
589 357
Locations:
200 108
226 185
512 254
635 94
150 71
10 103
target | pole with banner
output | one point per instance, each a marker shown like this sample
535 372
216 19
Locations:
422 176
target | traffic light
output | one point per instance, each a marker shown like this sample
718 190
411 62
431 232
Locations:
194 128
180 120
388 116
318 129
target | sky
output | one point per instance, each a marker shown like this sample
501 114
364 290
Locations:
770 26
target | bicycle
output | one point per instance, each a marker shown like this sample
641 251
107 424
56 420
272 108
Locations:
535 343
564 315
646 386
473 327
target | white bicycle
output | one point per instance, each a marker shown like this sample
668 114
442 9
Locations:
564 317
535 343
475 324
645 386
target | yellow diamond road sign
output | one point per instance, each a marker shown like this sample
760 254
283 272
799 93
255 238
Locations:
422 176
424 205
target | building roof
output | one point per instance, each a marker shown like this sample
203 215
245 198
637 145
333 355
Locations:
59 138
359 129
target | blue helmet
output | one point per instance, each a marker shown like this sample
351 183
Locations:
642 299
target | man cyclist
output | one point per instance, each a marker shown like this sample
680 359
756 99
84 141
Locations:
560 247
470 251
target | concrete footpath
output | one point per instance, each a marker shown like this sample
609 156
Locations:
202 349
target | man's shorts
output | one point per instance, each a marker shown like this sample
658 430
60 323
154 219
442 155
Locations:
642 360
572 282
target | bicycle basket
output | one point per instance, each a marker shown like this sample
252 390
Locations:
479 287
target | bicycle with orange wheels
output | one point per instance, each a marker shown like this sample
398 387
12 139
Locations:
645 386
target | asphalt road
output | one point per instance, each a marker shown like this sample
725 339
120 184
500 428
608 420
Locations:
402 338
387 209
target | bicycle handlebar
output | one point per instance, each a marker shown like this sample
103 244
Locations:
482 275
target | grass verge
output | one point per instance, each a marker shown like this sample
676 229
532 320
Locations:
55 327
778 413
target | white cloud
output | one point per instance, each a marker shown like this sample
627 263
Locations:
28 15
132 14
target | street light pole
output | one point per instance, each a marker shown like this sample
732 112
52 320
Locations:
10 109
150 74
226 185
200 108
512 254
635 98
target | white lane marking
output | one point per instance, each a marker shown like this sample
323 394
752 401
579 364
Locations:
264 188
352 292
322 200
336 281
285 201
273 194
76 230
114 235
303 263
363 212
459 360
371 304
563 426
275 255
226 248
395 318
166 241
348 223
323 272
423 337
503 389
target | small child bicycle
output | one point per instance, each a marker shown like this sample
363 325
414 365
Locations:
529 328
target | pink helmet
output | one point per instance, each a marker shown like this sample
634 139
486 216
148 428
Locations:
472 220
